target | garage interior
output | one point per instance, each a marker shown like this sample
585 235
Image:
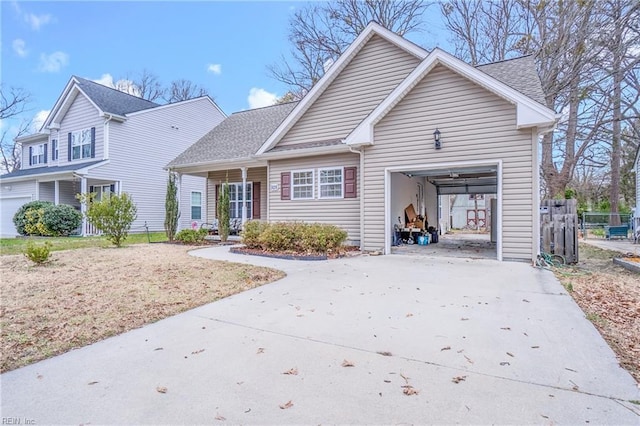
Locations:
445 212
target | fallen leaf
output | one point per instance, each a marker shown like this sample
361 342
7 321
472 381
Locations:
525 300
387 381
546 417
346 363
446 348
385 353
292 372
286 405
39 376
260 351
570 369
510 354
197 352
409 315
458 379
410 390
221 418
161 389
92 383
158 349
535 347
503 363
469 359
505 328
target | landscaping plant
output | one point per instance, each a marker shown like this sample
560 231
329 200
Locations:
112 215
293 237
172 207
38 254
191 236
43 218
223 212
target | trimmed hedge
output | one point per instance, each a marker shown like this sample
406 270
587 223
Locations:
296 237
191 236
44 218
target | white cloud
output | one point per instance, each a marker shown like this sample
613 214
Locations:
36 21
20 47
39 119
215 69
53 62
105 80
260 98
123 85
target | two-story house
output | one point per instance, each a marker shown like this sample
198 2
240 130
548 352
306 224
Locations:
98 139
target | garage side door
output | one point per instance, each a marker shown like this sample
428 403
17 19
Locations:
8 207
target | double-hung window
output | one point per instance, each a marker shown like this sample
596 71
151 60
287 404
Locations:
331 182
302 185
37 154
81 144
196 205
236 198
54 149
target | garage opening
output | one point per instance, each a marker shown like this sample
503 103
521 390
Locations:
447 211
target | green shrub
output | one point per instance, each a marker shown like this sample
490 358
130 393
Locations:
113 215
38 254
191 236
171 207
61 220
20 219
293 236
252 231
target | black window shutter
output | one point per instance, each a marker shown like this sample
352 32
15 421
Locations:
350 182
46 147
30 155
90 189
285 186
256 200
93 142
112 188
54 144
69 150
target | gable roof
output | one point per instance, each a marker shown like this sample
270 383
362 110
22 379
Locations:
106 100
347 56
529 113
237 137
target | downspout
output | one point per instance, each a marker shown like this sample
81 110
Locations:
360 152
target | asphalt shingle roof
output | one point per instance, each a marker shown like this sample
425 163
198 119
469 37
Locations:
238 137
111 100
45 169
520 74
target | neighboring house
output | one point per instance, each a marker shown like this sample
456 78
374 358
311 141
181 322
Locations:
470 211
98 139
364 137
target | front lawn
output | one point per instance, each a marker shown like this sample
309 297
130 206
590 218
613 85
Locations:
85 295
10 246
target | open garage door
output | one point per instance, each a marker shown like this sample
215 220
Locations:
461 201
8 207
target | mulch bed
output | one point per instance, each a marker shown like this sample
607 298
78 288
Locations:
346 251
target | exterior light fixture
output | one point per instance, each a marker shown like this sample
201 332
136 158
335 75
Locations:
436 139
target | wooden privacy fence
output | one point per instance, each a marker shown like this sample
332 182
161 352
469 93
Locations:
559 228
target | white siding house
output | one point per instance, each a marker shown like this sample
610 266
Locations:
97 139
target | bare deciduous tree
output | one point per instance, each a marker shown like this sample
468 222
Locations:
13 102
148 86
181 90
319 33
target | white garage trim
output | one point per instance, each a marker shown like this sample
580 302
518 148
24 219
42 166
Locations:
396 169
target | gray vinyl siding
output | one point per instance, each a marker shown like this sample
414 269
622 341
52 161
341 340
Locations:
47 191
189 184
68 192
81 115
18 189
140 147
475 125
344 212
257 174
372 74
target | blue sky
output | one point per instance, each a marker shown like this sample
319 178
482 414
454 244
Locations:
222 46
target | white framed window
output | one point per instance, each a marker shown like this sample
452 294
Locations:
235 200
331 182
196 205
37 154
102 191
302 185
81 144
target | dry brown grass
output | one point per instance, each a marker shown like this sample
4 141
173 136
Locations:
609 295
86 295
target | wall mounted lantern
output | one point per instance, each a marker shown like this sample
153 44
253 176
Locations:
436 139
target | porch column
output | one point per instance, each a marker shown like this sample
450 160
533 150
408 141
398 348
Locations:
37 189
244 194
83 206
56 192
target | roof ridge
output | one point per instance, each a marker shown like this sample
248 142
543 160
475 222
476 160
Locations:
114 89
504 60
264 107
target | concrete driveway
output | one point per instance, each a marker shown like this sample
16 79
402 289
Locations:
517 345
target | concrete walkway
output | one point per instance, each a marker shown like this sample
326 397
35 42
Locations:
623 246
517 345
